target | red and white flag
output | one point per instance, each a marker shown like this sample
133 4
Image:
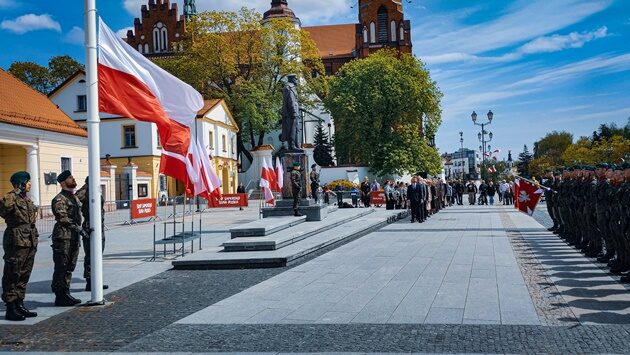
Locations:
516 192
272 175
492 170
528 197
279 174
132 86
266 182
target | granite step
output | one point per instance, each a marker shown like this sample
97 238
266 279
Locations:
265 226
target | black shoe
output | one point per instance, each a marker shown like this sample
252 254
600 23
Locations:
25 312
88 285
298 214
413 220
12 313
71 298
62 300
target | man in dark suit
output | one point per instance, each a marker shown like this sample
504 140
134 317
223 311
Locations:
414 194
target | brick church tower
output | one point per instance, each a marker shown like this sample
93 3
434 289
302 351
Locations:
382 24
158 28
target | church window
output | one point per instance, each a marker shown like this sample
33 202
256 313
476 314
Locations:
160 38
402 32
164 40
146 48
156 40
393 31
365 34
382 24
372 32
140 48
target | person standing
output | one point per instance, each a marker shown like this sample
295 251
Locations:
483 193
65 239
491 191
296 188
365 192
459 190
414 194
20 245
548 183
83 194
241 190
314 177
471 189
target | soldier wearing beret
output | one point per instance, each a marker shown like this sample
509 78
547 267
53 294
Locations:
65 239
83 194
296 188
20 245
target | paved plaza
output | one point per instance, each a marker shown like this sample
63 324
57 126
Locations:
472 279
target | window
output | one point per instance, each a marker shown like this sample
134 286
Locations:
66 164
162 182
129 136
140 48
382 25
372 32
159 143
232 146
160 38
81 103
402 32
211 140
393 30
224 143
143 190
146 48
365 34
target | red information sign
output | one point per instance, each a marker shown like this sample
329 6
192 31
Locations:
144 208
377 197
229 200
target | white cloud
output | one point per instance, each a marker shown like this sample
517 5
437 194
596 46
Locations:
122 33
521 23
558 42
31 22
75 36
8 3
309 12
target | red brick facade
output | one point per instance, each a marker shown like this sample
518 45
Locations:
382 25
158 29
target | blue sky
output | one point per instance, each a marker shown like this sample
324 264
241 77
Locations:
539 65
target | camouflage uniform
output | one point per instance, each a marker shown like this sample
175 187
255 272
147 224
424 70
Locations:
65 239
19 243
296 189
84 197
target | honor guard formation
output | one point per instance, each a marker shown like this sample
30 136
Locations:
589 209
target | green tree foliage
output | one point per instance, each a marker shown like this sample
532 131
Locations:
45 79
548 152
379 104
323 150
524 158
232 55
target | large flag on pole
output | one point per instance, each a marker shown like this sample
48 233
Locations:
272 176
528 197
266 182
132 86
279 174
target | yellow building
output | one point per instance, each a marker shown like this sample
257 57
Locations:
38 137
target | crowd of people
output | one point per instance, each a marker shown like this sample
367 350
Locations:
589 209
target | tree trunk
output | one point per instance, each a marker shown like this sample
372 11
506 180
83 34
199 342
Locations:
261 137
240 148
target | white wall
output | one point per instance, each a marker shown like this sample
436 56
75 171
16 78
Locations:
66 99
112 139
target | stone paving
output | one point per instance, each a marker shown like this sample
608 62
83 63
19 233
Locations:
472 279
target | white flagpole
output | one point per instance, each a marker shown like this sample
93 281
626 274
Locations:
94 154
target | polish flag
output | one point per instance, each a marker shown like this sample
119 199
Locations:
272 175
528 197
516 192
266 182
279 174
132 86
492 170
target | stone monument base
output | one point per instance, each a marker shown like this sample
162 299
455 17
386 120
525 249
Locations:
308 207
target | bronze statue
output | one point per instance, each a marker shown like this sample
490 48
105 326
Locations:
291 123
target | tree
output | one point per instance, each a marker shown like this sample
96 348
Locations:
524 158
323 150
45 79
379 104
232 55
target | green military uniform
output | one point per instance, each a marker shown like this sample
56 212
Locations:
314 177
296 188
84 197
65 239
20 245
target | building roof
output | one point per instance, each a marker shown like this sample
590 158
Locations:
208 105
23 106
79 72
334 40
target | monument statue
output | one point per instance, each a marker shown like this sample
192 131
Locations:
291 123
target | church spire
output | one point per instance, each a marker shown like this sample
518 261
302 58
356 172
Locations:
279 9
190 9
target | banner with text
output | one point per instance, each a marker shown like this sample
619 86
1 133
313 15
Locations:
377 197
144 208
229 200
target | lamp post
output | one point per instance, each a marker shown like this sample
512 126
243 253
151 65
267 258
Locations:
461 152
482 137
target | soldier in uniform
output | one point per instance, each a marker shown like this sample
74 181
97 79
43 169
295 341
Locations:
65 239
296 188
84 197
314 177
625 201
549 199
20 245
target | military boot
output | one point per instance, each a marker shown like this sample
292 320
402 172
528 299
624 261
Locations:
13 313
62 300
71 298
25 312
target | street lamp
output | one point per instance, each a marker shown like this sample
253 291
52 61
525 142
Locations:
482 137
461 151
